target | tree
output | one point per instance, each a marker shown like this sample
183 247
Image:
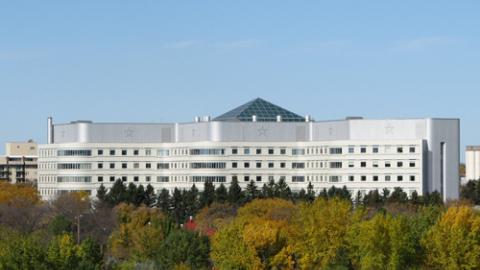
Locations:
132 195
383 242
251 192
139 197
211 219
268 191
221 194
310 196
163 200
319 233
117 194
207 197
191 201
373 199
102 193
177 206
398 196
454 242
149 199
184 247
282 190
235 193
21 251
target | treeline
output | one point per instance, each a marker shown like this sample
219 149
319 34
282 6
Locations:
182 204
471 191
131 227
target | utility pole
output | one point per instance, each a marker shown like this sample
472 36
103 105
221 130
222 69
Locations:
78 229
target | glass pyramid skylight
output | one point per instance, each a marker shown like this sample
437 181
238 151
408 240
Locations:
263 110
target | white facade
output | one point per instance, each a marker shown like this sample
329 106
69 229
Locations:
415 154
472 163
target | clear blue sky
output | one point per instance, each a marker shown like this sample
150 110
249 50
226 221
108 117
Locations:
152 61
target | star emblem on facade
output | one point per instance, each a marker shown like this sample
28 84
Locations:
389 129
262 132
129 133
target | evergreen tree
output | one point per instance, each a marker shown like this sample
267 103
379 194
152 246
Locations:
207 197
221 194
385 194
282 190
301 195
149 199
177 206
131 193
270 190
251 192
398 195
235 193
163 201
323 194
264 192
102 193
310 196
415 199
117 194
358 199
191 201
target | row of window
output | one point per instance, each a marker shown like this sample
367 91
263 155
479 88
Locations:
376 178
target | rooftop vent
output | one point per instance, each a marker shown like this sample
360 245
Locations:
81 122
354 118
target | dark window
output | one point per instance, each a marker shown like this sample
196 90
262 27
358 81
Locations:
259 179
234 165
388 164
124 152
388 178
259 151
100 165
246 165
100 152
124 165
363 150
246 178
234 178
399 178
283 151
234 151
364 178
282 165
351 178
112 165
135 152
412 177
112 152
100 179
375 178
363 164
135 179
148 165
399 149
270 151
124 179
270 165
412 149
399 164
259 165
148 178
112 178
412 164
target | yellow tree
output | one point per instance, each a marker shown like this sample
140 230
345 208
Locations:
318 235
256 238
20 195
454 241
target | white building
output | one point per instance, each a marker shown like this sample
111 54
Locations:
472 163
257 141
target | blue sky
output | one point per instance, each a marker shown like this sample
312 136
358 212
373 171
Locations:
152 61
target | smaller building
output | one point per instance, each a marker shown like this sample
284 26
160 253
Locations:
19 164
472 163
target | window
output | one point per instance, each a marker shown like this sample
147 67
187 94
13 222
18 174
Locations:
234 164
246 178
259 179
412 177
270 151
83 153
336 165
375 178
163 179
283 151
124 179
271 165
148 165
271 178
399 150
282 165
351 178
246 151
412 149
135 152
207 152
334 178
363 164
112 178
259 165
234 151
124 152
298 178
351 149
208 165
148 152
363 149
100 165
163 166
135 179
399 164
375 149
298 151
375 164
147 178
412 164
351 164
388 178
246 165
298 165
388 164
336 151
100 152
364 178
112 152
259 151
136 165
100 179
400 178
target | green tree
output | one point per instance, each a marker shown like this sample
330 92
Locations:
191 201
235 195
282 190
177 206
117 194
149 199
310 196
21 251
398 196
59 225
163 200
251 192
102 193
221 194
207 196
